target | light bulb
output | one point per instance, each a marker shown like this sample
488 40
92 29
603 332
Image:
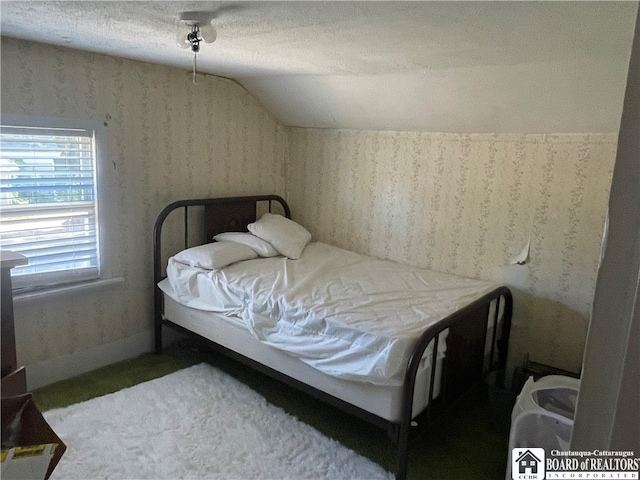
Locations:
208 33
182 40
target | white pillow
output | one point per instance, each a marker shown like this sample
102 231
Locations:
286 236
215 255
258 245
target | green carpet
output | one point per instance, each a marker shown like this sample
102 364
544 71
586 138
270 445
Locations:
461 446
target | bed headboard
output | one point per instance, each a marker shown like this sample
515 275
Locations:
228 217
226 214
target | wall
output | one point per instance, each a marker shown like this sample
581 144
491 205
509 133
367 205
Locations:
461 203
610 385
469 204
167 139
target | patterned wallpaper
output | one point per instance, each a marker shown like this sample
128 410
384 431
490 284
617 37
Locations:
469 204
167 139
460 203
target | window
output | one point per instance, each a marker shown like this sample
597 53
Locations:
49 209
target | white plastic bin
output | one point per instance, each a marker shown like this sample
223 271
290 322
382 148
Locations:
542 416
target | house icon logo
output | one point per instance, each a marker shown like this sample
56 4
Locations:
527 464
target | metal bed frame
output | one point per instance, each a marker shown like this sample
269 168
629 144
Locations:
464 364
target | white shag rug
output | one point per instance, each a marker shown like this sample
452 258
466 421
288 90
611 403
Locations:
197 423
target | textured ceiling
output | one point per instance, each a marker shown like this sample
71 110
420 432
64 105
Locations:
433 66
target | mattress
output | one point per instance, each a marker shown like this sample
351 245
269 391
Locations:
385 401
347 315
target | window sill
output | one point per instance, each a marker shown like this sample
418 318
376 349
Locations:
61 290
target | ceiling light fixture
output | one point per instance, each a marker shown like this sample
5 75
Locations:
199 29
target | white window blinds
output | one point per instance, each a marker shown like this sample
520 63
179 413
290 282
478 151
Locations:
48 203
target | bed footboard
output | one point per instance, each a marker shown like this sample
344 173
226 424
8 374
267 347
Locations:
465 361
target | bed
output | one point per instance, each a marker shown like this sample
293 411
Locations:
392 344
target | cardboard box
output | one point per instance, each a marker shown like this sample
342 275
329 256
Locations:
30 448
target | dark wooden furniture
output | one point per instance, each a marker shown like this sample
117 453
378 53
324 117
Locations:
33 428
13 378
463 365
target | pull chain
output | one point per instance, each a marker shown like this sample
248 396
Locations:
194 68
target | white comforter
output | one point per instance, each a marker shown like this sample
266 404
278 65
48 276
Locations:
346 314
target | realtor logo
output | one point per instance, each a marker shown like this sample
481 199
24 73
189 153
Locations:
527 464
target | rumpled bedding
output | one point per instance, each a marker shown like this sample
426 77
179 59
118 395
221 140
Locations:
348 315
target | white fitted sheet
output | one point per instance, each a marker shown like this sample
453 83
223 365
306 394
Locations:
348 315
382 400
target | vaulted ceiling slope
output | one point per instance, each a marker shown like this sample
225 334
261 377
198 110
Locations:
430 66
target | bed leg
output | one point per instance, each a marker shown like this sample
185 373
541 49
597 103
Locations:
393 431
158 306
402 450
158 337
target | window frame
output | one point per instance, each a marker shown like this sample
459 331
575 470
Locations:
67 278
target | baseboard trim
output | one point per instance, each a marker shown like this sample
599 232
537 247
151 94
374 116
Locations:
67 366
